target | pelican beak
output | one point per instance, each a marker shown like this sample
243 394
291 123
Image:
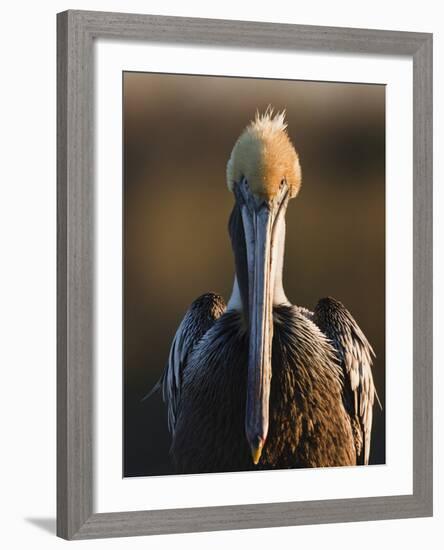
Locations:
259 218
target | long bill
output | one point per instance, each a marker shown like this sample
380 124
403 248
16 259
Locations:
258 226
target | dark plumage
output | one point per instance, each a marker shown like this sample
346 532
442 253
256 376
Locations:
312 423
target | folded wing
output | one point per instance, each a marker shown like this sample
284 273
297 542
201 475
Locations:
356 356
199 318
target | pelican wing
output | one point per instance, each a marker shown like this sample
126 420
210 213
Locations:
356 356
199 318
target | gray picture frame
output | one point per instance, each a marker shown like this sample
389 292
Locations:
76 32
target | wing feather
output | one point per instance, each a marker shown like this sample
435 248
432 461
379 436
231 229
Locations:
356 356
199 318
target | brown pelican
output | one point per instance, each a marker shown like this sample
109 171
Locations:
259 383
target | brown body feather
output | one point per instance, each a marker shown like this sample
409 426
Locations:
309 426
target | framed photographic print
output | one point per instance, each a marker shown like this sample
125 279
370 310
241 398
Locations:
244 274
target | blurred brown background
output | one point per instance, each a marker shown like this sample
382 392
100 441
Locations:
178 134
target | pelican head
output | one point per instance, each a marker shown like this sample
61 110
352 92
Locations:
263 173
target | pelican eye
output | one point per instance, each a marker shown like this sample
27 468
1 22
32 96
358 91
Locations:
281 185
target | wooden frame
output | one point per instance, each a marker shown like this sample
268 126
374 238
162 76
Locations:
76 32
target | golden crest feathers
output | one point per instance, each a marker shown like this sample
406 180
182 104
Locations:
265 156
